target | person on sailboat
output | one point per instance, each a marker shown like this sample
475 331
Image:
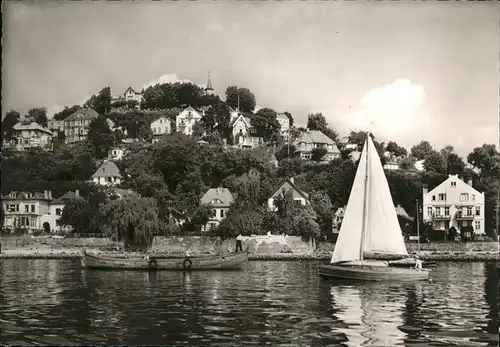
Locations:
239 244
418 262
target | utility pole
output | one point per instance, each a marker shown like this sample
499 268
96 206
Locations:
418 228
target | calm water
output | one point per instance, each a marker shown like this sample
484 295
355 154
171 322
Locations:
56 302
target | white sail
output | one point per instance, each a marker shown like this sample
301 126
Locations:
348 244
384 232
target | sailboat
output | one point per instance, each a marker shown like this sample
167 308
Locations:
370 224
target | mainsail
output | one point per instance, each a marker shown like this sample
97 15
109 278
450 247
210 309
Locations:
382 231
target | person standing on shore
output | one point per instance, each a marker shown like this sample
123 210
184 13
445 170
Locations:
239 244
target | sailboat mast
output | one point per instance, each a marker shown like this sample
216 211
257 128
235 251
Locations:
365 203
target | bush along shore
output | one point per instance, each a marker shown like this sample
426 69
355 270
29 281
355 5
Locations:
48 253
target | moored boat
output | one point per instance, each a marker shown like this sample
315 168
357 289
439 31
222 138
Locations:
371 225
216 262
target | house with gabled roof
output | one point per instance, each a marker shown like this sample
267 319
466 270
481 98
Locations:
186 119
284 123
312 139
244 134
77 125
160 126
220 199
288 186
129 95
454 203
27 135
107 174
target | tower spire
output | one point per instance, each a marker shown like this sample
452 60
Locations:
209 83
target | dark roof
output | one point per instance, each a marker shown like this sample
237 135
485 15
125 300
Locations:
107 169
31 126
63 198
16 195
294 186
83 113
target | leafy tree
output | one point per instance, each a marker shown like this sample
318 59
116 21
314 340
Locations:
316 121
198 130
202 215
39 115
290 118
317 154
435 162
396 150
11 118
241 220
134 219
101 102
406 163
484 158
323 207
66 112
422 150
455 164
214 138
266 124
100 137
329 132
304 222
285 151
76 213
246 98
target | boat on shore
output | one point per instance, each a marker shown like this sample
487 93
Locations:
370 225
228 261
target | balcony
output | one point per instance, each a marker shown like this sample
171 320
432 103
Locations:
465 216
441 216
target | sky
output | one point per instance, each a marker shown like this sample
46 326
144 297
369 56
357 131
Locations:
407 71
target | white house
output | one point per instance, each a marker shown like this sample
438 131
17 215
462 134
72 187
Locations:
391 166
34 211
316 139
420 165
116 153
243 132
220 199
288 186
161 126
284 123
107 174
29 135
129 95
454 203
186 119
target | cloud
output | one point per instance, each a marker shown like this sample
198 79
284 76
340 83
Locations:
167 78
395 111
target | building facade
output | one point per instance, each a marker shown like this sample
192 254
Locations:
244 134
186 119
288 186
220 199
107 174
161 126
76 127
312 139
454 203
26 136
129 95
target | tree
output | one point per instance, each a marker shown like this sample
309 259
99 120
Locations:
422 150
66 112
198 130
435 162
317 154
134 219
246 101
316 121
101 102
39 115
485 158
202 215
76 213
100 136
214 138
454 164
11 118
398 151
290 118
266 124
323 207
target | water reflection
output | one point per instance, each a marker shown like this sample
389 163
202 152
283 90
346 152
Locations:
268 303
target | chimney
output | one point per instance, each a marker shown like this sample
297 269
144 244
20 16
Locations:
45 195
425 190
77 193
291 180
50 194
469 182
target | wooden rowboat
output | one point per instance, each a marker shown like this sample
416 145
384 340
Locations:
217 262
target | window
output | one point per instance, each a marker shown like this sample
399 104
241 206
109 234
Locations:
297 202
477 225
283 191
58 211
478 210
453 184
464 197
26 208
438 211
222 213
33 208
214 212
33 222
446 211
110 179
442 197
429 210
433 198
469 211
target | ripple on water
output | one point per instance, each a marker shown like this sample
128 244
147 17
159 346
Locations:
56 302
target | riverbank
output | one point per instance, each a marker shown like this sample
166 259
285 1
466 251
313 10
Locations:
76 253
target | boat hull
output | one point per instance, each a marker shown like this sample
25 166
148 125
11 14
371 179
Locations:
371 273
231 261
